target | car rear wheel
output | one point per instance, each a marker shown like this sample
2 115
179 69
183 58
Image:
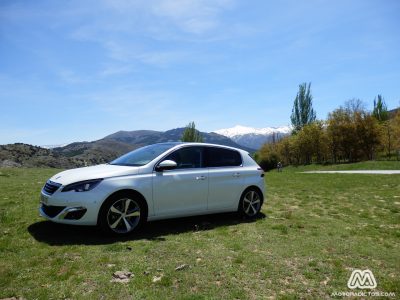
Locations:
122 215
250 203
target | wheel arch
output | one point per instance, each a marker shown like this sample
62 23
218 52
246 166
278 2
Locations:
124 193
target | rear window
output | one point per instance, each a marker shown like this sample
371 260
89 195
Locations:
220 157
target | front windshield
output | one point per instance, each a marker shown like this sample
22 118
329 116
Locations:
142 156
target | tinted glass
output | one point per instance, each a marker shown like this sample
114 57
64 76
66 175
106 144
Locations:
187 158
142 156
220 157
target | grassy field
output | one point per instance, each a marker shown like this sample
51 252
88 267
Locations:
365 165
313 231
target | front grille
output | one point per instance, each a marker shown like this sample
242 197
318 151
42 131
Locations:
50 187
52 210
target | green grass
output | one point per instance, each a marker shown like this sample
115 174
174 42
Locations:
314 230
364 165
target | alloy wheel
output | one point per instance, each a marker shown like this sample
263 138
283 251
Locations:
251 203
123 215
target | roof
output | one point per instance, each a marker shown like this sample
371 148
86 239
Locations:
203 144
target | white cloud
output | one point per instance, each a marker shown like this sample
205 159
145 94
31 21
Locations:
130 53
128 107
130 31
115 69
193 16
72 77
127 101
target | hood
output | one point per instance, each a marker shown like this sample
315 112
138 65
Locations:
93 172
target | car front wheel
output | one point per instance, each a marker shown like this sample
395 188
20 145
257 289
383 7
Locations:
122 215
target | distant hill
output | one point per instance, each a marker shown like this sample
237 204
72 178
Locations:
96 152
393 112
137 137
23 155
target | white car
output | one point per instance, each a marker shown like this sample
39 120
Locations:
159 181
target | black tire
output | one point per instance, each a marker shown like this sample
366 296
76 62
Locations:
250 203
122 214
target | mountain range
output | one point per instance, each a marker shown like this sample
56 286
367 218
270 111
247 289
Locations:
254 137
248 138
108 148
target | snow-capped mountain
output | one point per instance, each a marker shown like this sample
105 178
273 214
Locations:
254 137
53 146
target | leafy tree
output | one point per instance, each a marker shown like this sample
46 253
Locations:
284 150
367 133
267 157
316 138
304 145
302 112
190 134
395 125
387 136
309 145
380 111
341 134
353 132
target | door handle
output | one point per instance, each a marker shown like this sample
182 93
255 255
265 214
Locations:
236 174
200 177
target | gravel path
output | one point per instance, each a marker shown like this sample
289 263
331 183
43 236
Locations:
386 172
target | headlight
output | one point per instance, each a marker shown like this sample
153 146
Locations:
82 186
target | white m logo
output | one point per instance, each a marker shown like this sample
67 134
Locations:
362 279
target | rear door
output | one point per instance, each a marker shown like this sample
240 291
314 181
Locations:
183 190
225 178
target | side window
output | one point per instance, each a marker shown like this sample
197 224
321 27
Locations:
220 157
187 158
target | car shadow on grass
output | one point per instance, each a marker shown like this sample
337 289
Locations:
60 234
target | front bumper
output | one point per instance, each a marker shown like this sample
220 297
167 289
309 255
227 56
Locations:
70 207
52 212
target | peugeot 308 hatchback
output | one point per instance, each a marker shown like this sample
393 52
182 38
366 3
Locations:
159 181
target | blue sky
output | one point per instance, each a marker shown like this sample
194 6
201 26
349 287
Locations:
79 70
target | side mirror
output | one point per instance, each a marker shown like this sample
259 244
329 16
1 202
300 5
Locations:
166 165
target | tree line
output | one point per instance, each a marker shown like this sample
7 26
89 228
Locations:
351 133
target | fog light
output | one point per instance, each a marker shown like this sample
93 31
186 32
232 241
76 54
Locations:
73 213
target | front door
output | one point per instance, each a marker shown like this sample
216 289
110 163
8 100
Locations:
183 190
